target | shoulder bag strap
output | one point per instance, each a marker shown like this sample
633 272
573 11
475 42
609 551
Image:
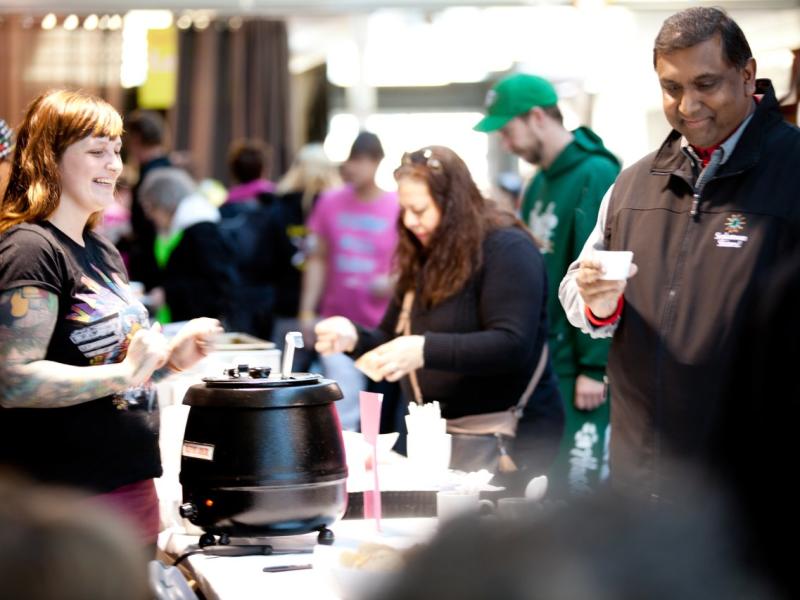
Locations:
403 327
537 375
404 318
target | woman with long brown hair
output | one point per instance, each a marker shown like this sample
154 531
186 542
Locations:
472 283
77 353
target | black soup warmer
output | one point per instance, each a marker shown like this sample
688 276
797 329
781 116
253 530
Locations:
263 456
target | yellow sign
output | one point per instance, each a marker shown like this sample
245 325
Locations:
159 90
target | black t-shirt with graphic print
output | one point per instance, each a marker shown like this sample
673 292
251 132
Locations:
108 442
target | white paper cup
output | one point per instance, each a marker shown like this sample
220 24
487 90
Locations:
456 503
617 263
429 452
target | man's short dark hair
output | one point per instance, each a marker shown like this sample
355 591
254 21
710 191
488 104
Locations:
695 25
554 113
249 160
367 144
148 126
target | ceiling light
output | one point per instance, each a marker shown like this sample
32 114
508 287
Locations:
91 22
49 21
71 23
201 21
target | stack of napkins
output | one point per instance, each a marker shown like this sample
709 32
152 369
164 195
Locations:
425 419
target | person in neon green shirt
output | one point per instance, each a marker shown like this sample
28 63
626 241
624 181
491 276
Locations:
198 273
560 207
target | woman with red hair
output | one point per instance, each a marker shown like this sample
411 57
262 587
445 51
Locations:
77 353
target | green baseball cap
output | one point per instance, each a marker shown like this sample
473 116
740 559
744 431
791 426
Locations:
515 95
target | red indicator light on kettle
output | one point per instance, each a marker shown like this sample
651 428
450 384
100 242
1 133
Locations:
209 502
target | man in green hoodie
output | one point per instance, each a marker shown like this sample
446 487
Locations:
560 206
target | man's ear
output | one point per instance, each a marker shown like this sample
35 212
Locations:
749 76
536 115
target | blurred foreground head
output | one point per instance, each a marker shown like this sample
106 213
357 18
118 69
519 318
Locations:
600 548
55 545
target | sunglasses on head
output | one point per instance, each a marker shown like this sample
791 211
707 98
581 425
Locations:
423 157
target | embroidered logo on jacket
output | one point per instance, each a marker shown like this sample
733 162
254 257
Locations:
542 223
732 236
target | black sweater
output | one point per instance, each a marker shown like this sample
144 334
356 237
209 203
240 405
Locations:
200 278
482 344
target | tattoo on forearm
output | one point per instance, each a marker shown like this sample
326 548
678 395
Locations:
27 321
52 385
161 374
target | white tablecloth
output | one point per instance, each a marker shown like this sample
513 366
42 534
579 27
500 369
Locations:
242 577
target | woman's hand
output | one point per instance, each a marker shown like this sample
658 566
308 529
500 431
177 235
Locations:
192 343
335 334
399 357
148 350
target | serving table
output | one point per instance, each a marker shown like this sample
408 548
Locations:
244 578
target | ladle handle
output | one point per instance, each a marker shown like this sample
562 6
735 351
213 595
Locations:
293 339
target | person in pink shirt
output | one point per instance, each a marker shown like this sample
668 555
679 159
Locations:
353 238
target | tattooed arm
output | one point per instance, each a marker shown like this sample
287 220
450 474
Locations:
27 321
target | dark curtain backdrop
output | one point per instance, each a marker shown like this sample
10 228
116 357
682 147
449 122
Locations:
33 60
319 106
232 83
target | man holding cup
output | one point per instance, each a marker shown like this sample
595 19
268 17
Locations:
705 216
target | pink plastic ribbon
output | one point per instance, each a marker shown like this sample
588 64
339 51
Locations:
370 404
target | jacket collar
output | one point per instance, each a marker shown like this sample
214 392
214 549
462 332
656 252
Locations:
585 143
669 158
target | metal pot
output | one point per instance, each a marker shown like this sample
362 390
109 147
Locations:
263 455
